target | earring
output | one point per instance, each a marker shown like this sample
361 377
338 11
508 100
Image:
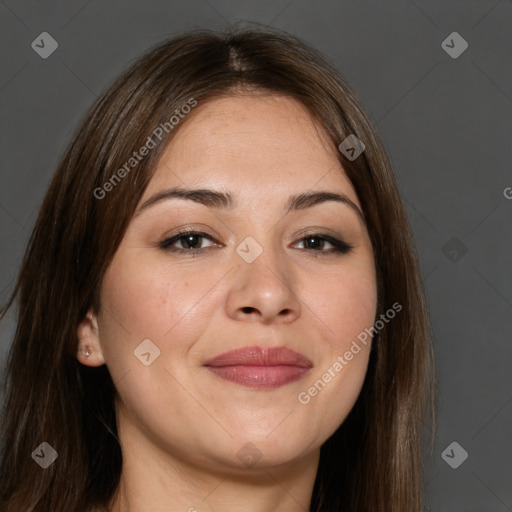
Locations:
87 353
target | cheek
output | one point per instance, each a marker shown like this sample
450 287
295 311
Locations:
152 301
347 305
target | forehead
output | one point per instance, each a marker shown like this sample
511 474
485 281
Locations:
250 143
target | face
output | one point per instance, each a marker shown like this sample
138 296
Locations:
261 268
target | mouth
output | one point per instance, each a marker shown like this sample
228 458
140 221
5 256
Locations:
260 367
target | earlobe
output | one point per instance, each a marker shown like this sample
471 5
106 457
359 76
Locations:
89 351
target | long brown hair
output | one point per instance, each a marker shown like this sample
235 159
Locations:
373 462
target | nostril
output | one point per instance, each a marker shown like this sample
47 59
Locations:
248 309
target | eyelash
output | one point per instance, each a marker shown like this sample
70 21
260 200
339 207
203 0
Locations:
340 246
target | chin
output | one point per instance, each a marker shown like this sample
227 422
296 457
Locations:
264 450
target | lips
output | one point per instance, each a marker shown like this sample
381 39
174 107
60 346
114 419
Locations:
260 367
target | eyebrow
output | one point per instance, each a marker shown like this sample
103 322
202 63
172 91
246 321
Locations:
217 199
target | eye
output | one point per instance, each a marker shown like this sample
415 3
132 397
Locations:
194 242
324 243
188 241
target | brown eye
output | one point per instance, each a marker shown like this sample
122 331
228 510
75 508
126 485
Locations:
324 243
187 241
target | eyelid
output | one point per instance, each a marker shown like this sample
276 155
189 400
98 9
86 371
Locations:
194 229
317 231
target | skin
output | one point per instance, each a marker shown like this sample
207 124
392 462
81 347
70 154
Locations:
181 426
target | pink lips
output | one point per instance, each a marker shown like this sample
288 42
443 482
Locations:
258 367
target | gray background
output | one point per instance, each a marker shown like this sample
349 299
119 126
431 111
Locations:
445 122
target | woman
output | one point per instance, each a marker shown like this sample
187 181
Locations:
220 305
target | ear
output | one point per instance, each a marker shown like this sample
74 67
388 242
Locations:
89 350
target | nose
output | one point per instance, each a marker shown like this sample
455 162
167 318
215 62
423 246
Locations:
263 291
